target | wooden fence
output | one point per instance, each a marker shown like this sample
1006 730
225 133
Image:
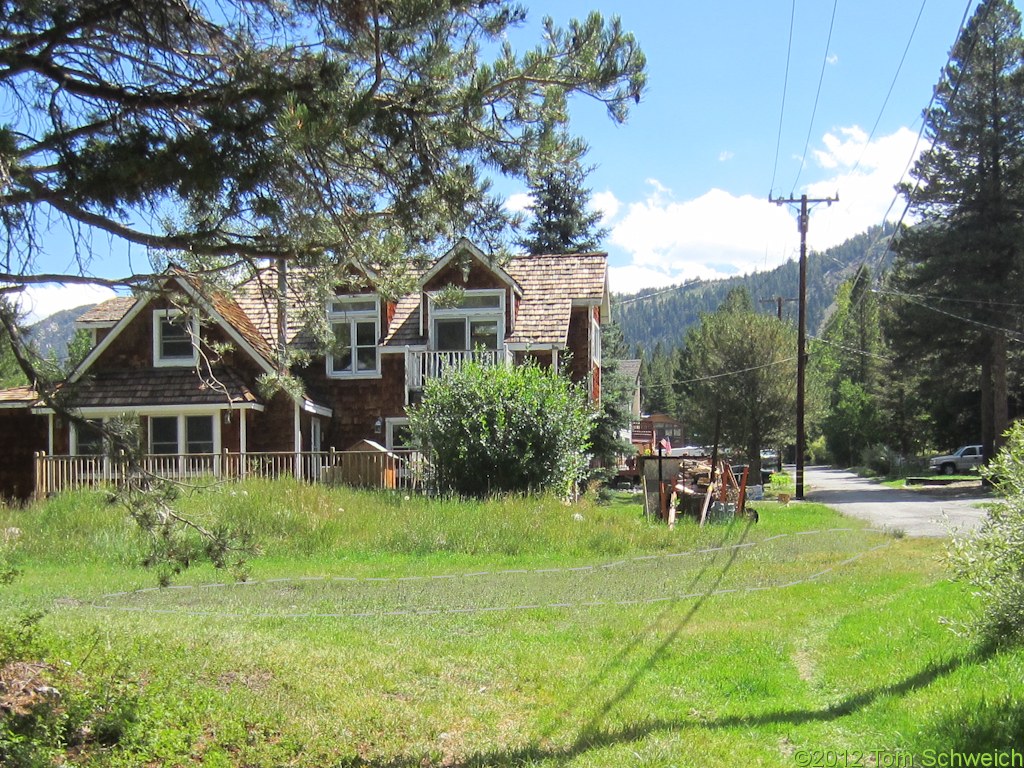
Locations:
362 469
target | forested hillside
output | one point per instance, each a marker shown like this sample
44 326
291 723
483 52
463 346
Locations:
658 316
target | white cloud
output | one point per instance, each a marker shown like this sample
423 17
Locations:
832 58
715 235
607 203
518 202
719 234
41 301
725 156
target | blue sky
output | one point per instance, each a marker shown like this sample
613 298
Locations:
684 183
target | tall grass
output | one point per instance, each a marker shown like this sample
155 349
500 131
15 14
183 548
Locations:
289 520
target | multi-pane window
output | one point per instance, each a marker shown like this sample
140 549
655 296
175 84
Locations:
355 322
476 322
399 434
174 338
89 438
198 434
181 435
163 434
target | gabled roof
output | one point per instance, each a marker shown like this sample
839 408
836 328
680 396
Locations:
548 286
221 308
465 246
552 284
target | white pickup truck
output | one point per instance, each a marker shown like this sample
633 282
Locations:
966 458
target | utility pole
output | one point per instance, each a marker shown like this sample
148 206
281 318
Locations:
779 301
801 338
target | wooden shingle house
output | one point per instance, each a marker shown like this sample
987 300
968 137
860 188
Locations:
192 365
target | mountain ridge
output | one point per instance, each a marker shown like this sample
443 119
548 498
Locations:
662 315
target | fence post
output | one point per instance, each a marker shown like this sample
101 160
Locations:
37 474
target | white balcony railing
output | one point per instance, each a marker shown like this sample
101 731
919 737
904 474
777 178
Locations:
421 365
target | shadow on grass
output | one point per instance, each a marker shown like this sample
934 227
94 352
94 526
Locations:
981 726
994 726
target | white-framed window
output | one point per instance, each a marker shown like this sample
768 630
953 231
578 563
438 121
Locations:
595 340
399 434
478 321
87 438
355 323
175 338
184 434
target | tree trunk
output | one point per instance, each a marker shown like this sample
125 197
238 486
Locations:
987 432
1000 397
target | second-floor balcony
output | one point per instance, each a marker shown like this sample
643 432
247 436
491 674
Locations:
421 365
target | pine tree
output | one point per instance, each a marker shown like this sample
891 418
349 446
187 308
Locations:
740 363
561 220
960 268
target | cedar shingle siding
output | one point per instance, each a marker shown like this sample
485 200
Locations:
548 300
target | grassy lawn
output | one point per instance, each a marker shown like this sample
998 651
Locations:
376 630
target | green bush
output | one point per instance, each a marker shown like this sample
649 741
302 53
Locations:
880 459
991 559
503 429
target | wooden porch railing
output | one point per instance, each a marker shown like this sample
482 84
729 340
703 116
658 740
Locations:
363 469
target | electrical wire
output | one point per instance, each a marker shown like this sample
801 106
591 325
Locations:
910 160
855 350
680 287
954 299
892 85
1012 335
817 94
714 376
785 88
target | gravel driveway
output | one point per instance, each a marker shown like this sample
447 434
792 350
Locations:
916 512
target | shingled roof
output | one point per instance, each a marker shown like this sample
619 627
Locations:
551 285
135 387
108 312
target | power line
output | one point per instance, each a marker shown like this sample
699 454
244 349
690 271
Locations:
679 287
892 85
817 95
714 376
1011 334
939 129
855 350
785 88
955 299
910 160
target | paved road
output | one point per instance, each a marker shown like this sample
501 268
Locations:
915 512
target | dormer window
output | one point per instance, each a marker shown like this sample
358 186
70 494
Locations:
355 323
175 338
476 321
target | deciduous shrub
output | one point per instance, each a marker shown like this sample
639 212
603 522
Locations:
501 429
991 559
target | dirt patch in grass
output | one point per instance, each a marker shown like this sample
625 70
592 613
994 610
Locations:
24 687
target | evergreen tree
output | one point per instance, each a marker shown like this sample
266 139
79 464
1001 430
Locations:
849 360
560 219
313 130
740 363
960 268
